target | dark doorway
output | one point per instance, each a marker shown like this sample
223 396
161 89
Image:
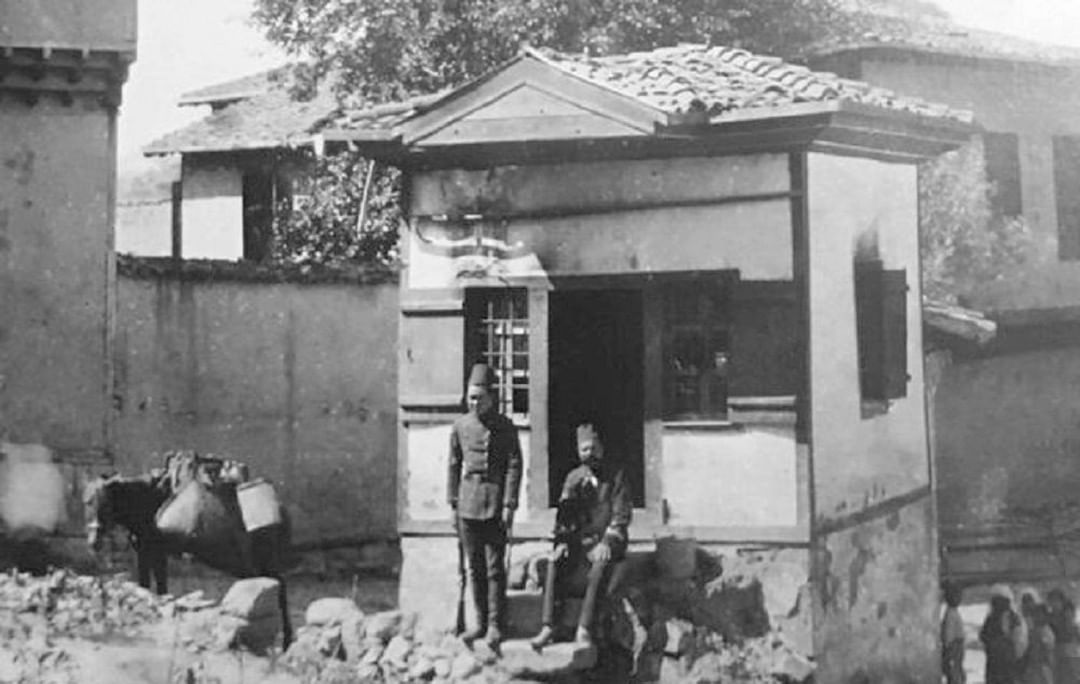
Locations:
596 373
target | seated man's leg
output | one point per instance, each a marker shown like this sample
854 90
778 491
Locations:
556 567
597 574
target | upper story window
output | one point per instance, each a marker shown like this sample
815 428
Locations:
1067 192
497 333
881 328
697 348
1002 156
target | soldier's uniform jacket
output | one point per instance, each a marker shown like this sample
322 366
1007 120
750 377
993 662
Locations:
595 504
485 466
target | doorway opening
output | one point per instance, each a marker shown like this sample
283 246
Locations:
596 366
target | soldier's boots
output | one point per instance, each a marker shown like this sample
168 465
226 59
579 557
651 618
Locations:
477 632
493 637
542 638
583 637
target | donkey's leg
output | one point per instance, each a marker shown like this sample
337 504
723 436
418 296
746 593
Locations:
143 553
283 605
161 569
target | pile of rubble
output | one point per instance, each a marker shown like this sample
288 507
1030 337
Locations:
63 603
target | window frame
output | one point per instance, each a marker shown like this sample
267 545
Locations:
485 327
709 325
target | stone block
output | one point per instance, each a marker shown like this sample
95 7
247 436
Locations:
708 669
383 625
520 660
354 639
252 598
680 637
422 669
523 613
676 558
672 671
465 665
260 634
329 643
733 606
442 668
397 653
331 611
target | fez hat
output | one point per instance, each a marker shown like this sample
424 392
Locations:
587 431
481 375
1002 591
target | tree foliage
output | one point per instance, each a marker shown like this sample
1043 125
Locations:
388 49
964 245
321 222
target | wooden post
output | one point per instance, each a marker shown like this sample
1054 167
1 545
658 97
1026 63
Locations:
177 220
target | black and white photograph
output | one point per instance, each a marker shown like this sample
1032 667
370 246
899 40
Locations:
539 341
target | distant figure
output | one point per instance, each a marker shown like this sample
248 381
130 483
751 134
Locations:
1004 638
1066 637
591 523
1039 659
952 636
483 479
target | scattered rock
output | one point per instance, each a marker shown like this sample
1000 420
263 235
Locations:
329 643
331 611
465 665
680 637
367 672
422 669
252 598
708 669
383 625
397 652
442 668
733 606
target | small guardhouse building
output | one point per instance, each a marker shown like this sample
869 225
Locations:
716 256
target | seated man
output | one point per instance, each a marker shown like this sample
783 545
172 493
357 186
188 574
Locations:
590 533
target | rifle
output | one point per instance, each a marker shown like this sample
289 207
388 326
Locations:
459 623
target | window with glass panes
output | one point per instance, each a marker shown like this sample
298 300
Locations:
697 349
497 322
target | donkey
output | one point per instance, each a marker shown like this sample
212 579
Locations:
133 502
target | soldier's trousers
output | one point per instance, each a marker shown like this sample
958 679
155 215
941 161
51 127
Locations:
484 542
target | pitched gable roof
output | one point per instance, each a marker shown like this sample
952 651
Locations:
236 89
268 120
718 80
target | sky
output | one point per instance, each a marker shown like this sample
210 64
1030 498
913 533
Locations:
190 44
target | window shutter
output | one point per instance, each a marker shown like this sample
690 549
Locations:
869 327
881 326
432 341
894 334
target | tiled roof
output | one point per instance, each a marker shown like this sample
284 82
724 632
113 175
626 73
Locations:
940 36
381 118
720 79
272 119
236 89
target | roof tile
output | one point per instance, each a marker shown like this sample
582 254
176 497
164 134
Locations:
726 79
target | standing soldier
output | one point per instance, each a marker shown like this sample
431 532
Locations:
482 487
